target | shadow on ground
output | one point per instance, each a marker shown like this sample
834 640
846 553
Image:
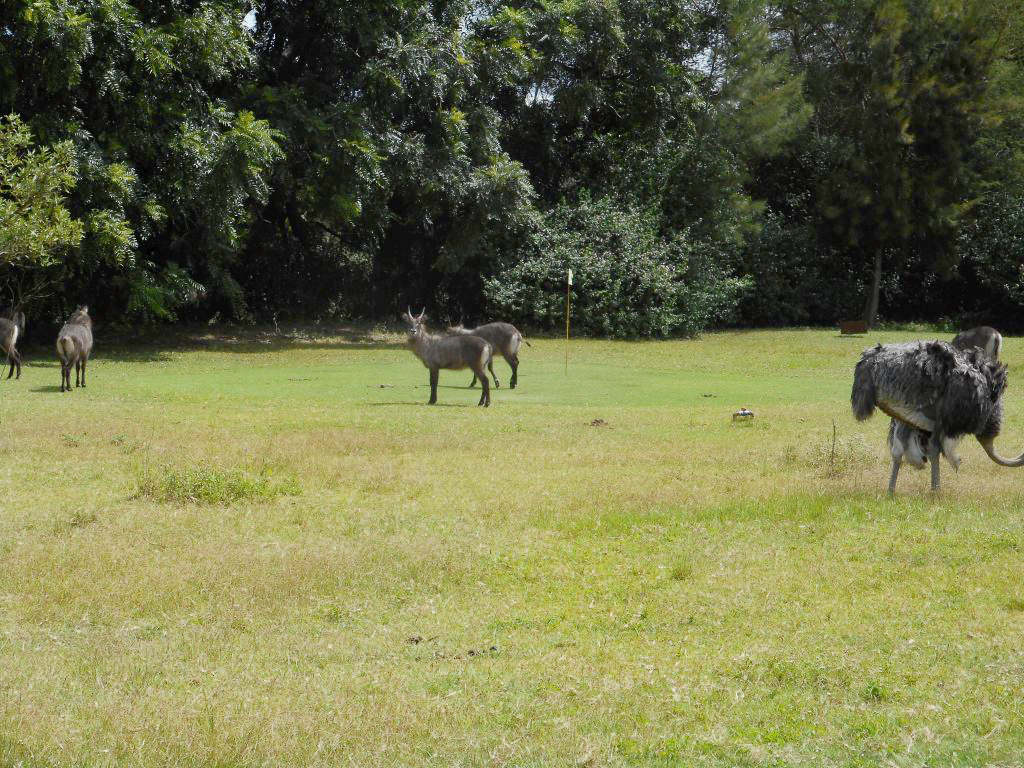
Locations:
155 344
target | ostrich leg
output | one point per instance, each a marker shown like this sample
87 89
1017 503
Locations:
895 471
933 457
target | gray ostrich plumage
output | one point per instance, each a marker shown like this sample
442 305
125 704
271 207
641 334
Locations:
908 442
935 394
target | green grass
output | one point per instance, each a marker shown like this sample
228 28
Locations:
258 551
212 485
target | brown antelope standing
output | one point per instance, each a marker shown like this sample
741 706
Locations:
12 327
504 339
450 352
74 344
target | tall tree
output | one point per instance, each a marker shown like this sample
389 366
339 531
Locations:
395 184
147 92
901 91
35 224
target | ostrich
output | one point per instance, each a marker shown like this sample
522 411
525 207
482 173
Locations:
935 394
911 443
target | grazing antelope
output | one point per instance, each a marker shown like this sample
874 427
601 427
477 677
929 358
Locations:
452 352
74 344
504 339
12 327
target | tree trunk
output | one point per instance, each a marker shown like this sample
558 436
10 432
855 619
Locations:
871 308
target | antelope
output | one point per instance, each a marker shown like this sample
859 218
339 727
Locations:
74 344
504 339
12 326
451 352
985 338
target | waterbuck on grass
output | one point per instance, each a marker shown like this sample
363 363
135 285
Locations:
451 352
12 327
504 339
984 337
74 344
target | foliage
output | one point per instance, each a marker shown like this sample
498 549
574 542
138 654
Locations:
395 178
167 164
796 279
901 87
324 158
629 280
34 183
993 259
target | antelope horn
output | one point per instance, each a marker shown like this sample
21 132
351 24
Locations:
420 318
991 451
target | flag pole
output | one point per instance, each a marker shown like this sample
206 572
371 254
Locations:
568 289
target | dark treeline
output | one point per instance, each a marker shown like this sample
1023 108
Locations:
694 163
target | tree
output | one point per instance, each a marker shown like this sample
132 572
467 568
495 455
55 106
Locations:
395 187
901 91
35 225
167 163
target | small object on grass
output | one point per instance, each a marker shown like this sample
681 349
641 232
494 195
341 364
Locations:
743 414
708 394
599 423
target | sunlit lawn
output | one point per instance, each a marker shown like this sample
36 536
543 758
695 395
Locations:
257 551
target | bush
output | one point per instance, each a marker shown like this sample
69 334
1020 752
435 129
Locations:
797 279
629 281
992 246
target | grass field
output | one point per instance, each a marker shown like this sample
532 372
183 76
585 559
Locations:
270 551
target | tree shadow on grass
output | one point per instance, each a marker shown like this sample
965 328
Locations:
40 357
157 344
259 339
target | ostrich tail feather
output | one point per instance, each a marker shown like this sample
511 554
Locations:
863 398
